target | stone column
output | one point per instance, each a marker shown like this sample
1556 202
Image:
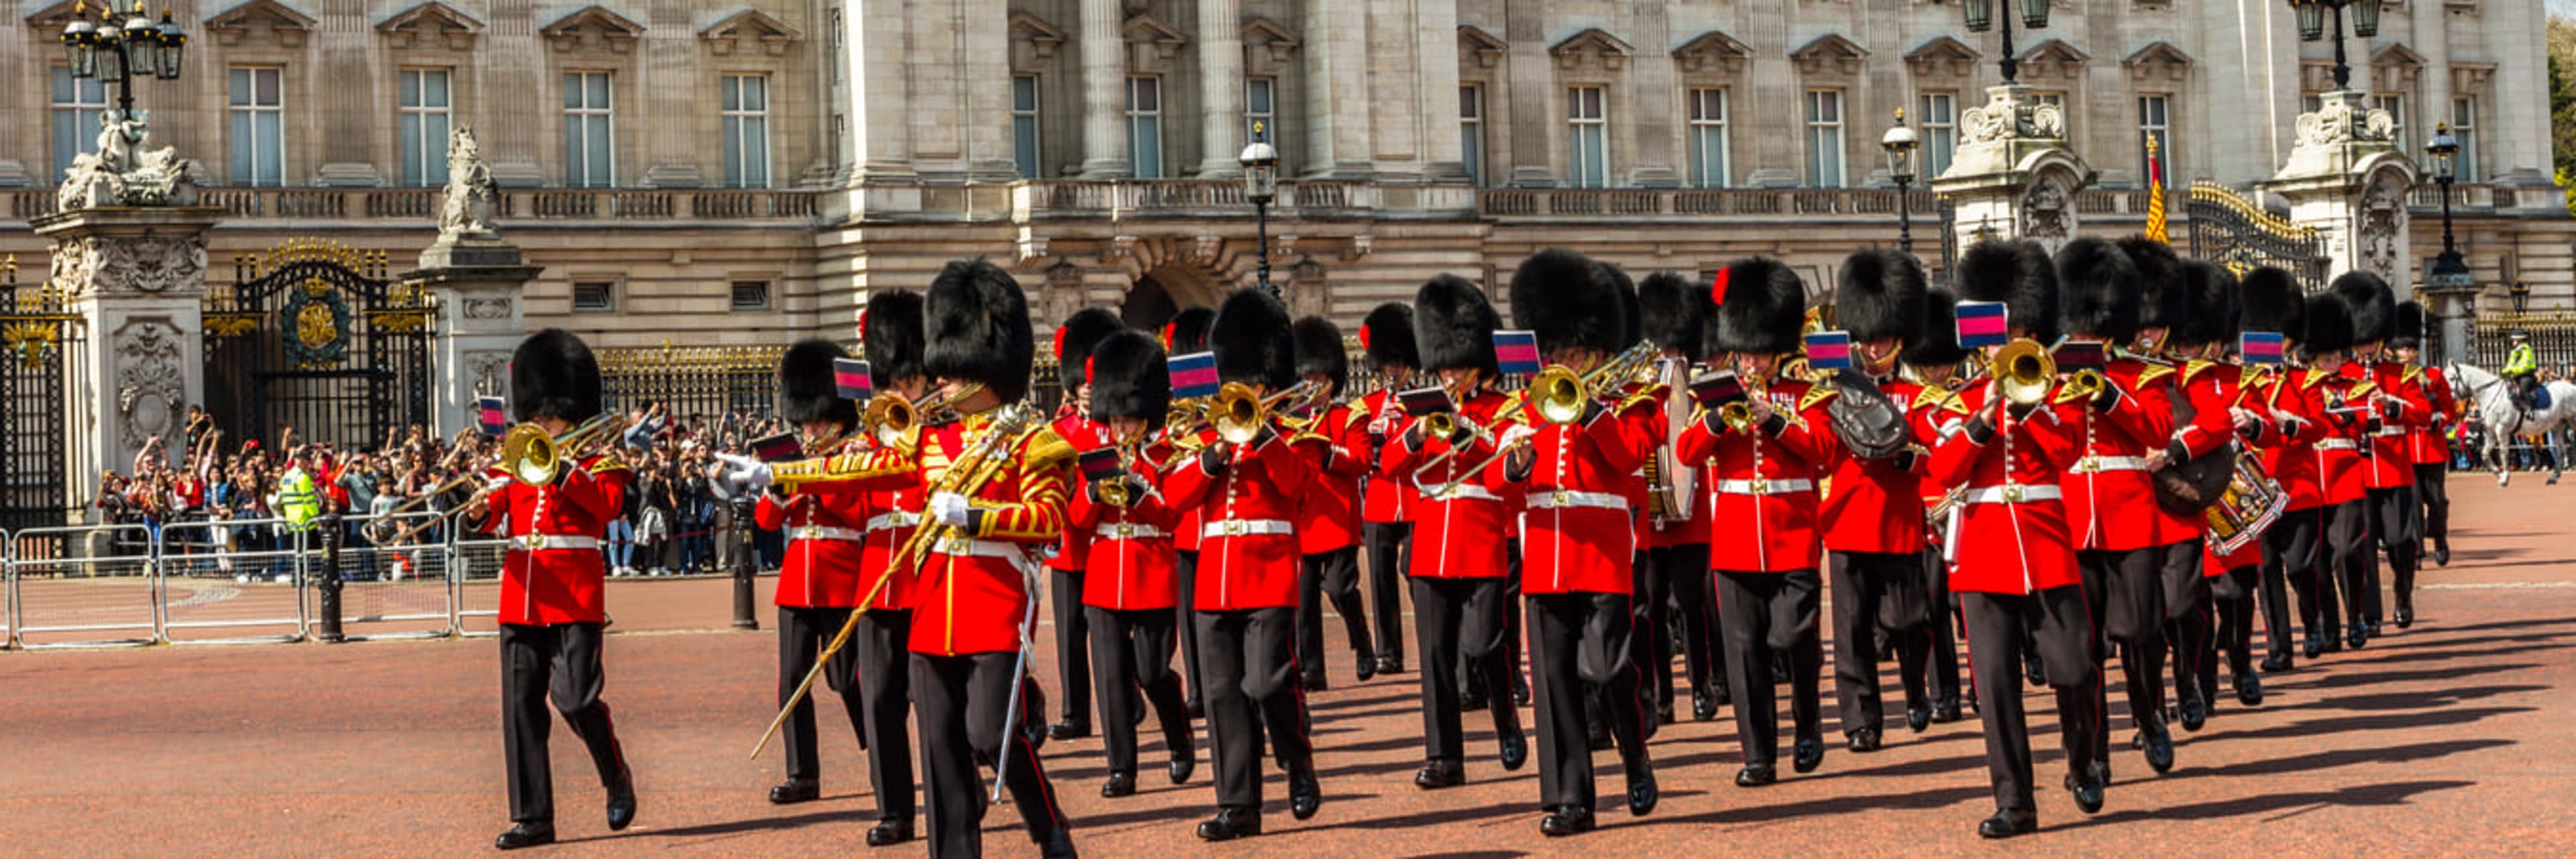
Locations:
1436 52
1104 91
1220 48
1651 85
667 60
137 276
1532 74
2346 179
347 88
2012 175
482 314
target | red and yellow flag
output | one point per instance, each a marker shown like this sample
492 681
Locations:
2155 194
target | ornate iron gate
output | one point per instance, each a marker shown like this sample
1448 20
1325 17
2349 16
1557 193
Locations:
705 382
41 344
312 337
2230 230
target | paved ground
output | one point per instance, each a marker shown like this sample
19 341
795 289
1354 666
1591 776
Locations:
2442 739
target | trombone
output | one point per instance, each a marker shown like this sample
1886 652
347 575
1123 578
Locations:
1561 395
528 455
1237 412
892 417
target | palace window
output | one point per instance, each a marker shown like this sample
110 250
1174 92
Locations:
1938 122
2464 126
2395 105
1825 138
1024 125
1708 148
745 103
258 114
590 135
1471 132
594 297
424 103
2154 124
79 103
1260 112
1145 127
750 295
1587 138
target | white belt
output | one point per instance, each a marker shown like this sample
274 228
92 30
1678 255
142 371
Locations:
2393 432
977 548
2335 444
1462 490
1762 486
1562 498
1245 527
535 542
891 521
1129 531
2013 493
2099 464
819 532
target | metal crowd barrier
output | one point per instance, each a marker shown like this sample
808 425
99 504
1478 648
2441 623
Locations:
85 584
398 591
232 581
474 578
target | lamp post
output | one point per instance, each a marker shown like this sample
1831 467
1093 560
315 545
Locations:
2521 298
1981 16
2448 269
119 48
1901 144
2312 26
1260 163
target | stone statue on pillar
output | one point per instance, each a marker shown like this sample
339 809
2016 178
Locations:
481 282
2012 176
2346 178
465 209
124 173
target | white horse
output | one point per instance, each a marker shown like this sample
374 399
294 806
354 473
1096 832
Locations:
2507 420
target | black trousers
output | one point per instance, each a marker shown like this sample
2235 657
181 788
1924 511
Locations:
2349 551
1579 641
2125 589
2432 487
1329 576
802 634
1072 648
2055 622
2397 525
1460 621
560 662
1250 667
2188 621
962 701
1390 549
1689 623
885 687
2292 550
1135 649
1764 613
1185 566
2231 597
1877 596
1942 662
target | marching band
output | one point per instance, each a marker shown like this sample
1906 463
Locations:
2063 457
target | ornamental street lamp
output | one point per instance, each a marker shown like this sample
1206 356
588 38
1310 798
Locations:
1901 144
2448 270
2312 26
1981 16
119 48
1261 185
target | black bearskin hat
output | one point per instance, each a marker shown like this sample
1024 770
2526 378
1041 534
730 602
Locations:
1879 295
1454 326
2272 303
1319 350
890 336
2408 332
807 387
2211 307
1251 340
553 375
2329 324
1631 325
1761 308
2017 273
979 329
1568 301
1129 378
1387 334
1074 341
1670 312
2163 293
1188 331
1939 345
2373 306
2098 290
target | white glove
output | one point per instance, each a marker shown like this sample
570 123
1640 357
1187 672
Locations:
496 484
950 509
1517 433
743 473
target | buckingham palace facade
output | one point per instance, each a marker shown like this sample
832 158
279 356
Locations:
747 171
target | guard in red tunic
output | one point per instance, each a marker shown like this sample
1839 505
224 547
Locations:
1073 343
2425 444
1873 518
890 334
1187 334
1934 362
1763 488
2017 578
2293 547
820 580
1577 544
1328 517
1129 586
2210 380
1387 500
2203 425
552 582
2396 408
1457 559
1672 313
2340 404
1246 490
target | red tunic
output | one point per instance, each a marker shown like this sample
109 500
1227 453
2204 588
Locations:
1763 486
1934 413
2009 546
1387 497
2109 500
1328 516
1248 554
2425 445
2340 471
2214 386
1084 434
1458 535
2390 460
1132 565
1871 505
543 580
824 526
2289 454
1576 535
2210 388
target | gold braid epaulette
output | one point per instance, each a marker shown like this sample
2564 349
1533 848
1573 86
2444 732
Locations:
2153 372
1045 449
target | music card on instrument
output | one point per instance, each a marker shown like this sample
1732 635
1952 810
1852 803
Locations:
1193 375
778 447
1517 351
1426 401
1716 388
2261 347
1100 464
2075 357
493 416
1829 350
1982 323
851 376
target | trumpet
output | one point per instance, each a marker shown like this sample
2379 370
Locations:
1738 415
892 417
2024 371
528 455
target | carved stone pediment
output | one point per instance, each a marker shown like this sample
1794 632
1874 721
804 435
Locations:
1480 47
2158 61
2053 60
1592 49
431 25
592 30
2396 67
1713 53
1829 55
749 28
54 17
1266 43
1035 37
2471 78
1942 57
261 22
1151 43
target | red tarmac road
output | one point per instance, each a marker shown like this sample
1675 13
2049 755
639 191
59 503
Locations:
2445 739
